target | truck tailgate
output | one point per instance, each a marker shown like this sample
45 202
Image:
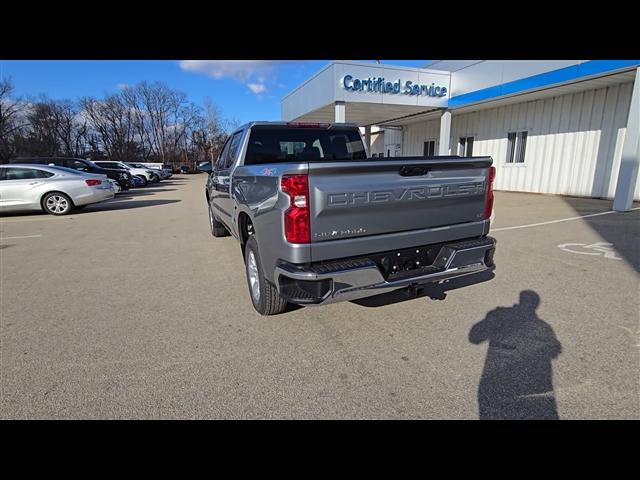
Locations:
375 197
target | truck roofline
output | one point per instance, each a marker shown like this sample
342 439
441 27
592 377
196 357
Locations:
283 123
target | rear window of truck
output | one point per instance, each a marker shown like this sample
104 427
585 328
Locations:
269 144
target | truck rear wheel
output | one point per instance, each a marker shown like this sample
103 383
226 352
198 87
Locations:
264 296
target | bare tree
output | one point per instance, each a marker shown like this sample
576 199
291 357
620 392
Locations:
72 129
166 118
133 98
231 124
113 123
51 128
164 121
44 124
145 122
210 132
10 121
156 101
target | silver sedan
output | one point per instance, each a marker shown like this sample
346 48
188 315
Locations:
55 190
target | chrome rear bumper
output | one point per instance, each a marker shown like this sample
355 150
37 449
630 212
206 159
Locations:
361 277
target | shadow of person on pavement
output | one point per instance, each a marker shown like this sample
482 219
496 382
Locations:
517 379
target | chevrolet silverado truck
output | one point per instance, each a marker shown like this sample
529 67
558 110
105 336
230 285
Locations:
318 221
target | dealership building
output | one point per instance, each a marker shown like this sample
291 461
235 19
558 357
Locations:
568 127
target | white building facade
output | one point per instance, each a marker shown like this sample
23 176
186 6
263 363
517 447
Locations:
558 127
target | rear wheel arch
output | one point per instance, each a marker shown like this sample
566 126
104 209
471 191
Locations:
245 229
73 205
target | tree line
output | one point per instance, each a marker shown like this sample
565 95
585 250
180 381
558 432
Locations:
147 122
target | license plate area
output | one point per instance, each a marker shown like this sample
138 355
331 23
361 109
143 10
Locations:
407 262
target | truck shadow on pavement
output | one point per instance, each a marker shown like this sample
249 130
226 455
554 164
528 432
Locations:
123 205
166 183
517 378
135 194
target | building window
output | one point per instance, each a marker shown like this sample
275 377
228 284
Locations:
465 146
516 147
429 148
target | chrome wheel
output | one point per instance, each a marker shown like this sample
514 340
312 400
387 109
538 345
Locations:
252 272
57 204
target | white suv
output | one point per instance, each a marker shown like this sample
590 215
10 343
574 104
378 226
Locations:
145 174
156 173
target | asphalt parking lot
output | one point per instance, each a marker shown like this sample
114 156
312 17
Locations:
131 309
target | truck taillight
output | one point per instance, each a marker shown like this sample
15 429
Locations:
297 226
488 206
93 183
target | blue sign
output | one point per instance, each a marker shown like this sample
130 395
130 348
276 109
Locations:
378 84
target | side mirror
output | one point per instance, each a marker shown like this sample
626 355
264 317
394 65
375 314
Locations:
204 167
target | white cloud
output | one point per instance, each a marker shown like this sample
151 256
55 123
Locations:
122 86
257 88
241 70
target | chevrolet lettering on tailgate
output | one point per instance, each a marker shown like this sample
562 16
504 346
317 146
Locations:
407 194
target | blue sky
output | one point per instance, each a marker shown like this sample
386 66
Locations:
245 90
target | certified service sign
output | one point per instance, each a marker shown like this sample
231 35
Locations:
379 85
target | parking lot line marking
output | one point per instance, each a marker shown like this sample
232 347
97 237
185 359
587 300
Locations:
21 236
6 220
557 221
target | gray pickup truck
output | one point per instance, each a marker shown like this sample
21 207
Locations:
319 221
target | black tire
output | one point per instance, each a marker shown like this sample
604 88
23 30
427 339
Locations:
268 301
217 228
144 180
57 203
155 178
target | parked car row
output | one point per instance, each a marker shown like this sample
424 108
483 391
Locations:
58 185
120 175
141 171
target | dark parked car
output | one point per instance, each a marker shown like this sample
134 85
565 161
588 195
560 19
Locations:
123 177
185 169
138 182
201 164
